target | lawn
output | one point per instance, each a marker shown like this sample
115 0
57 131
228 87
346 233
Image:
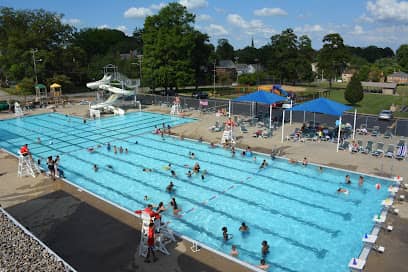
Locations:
374 103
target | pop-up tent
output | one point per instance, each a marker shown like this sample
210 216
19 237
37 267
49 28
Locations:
325 106
261 97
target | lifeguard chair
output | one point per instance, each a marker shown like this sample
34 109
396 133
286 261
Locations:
176 108
227 136
56 93
41 94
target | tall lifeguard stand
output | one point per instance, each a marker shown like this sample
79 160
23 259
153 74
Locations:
176 108
41 94
56 93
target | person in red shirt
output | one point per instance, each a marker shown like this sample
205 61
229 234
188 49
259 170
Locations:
24 150
149 210
150 244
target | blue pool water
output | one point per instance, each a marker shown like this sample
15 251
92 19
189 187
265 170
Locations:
308 226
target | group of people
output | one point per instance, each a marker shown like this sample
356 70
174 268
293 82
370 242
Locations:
164 129
115 149
244 229
347 181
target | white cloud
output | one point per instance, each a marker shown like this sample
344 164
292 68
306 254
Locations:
388 10
103 26
357 30
194 4
309 28
216 30
203 17
252 27
219 10
270 12
72 21
158 6
122 28
137 12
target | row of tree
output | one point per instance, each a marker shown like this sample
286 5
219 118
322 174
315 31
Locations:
175 54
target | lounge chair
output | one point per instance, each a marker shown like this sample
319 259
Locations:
243 129
401 142
344 146
220 128
257 133
267 133
388 134
362 130
390 151
379 150
401 152
369 147
376 131
360 145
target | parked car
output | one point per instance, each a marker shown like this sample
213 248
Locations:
200 95
385 115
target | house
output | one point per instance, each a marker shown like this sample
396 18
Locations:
398 77
226 71
379 87
127 56
347 75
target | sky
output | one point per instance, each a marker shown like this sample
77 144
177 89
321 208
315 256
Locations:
360 23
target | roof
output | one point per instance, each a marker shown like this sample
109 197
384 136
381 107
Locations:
55 85
399 74
379 85
261 97
40 86
226 64
322 105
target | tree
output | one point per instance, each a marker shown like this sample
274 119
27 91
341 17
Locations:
169 40
224 50
23 30
201 57
25 87
402 57
305 59
333 57
354 91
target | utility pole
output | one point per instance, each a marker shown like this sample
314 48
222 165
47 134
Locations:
33 51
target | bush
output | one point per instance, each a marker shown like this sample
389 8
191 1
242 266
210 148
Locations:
354 91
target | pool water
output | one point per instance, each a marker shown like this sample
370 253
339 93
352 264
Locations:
296 209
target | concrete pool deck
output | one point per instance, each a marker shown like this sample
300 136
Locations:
15 191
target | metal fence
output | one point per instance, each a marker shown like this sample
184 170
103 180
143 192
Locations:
398 127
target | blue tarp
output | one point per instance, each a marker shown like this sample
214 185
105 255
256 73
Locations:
322 105
260 97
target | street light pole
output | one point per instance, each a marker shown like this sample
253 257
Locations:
33 51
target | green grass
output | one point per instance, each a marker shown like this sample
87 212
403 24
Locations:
373 103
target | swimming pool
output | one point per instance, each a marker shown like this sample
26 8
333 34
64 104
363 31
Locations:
308 226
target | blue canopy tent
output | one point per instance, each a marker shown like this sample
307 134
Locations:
325 106
261 97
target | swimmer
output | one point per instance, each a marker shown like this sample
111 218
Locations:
212 145
263 165
305 162
264 248
173 203
200 139
196 168
168 167
342 190
91 149
263 265
115 150
38 140
181 137
110 167
189 174
126 151
147 170
192 156
243 153
361 181
173 174
95 168
234 251
347 179
243 227
320 169
225 234
108 146
84 120
120 149
146 198
136 142
293 161
202 177
255 159
160 208
170 187
39 162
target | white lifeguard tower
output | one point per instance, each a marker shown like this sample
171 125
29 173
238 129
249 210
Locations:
18 112
26 167
176 108
227 135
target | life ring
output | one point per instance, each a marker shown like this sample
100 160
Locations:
378 186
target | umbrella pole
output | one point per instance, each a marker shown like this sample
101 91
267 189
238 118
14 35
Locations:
290 113
304 117
270 116
229 108
354 125
338 135
283 124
